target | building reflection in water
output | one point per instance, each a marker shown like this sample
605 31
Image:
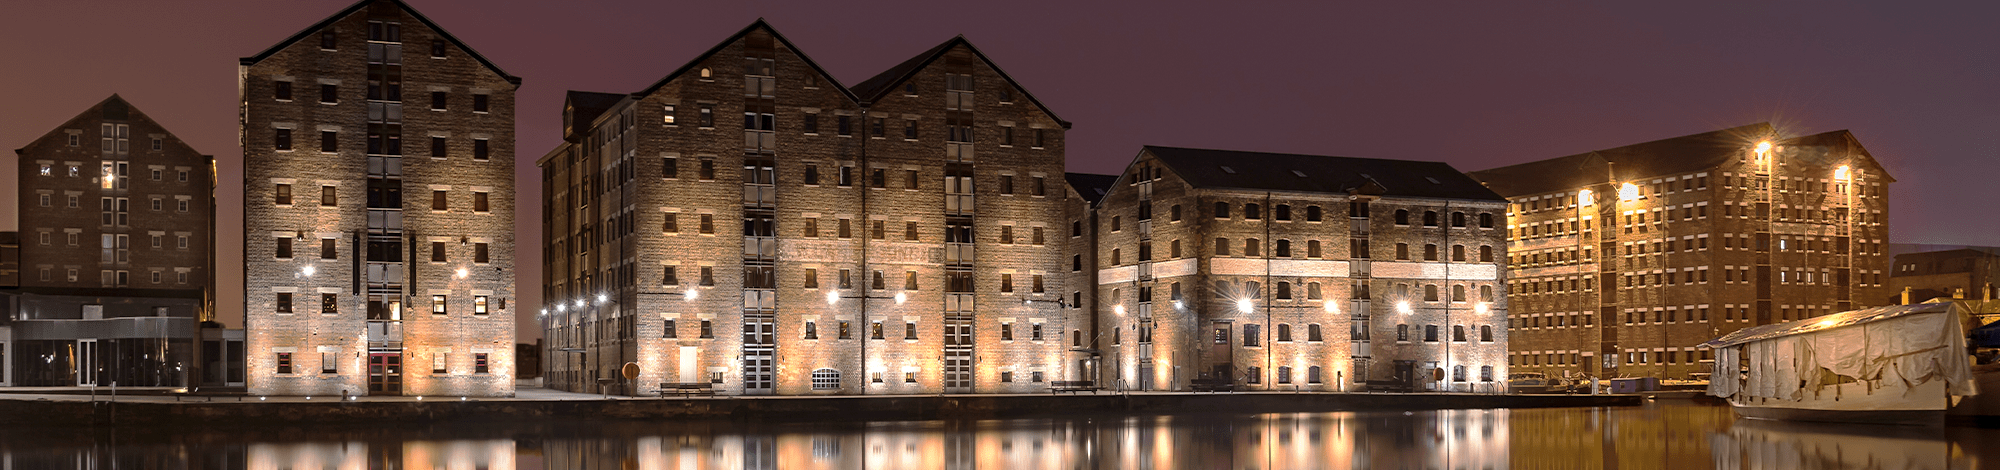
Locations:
1650 437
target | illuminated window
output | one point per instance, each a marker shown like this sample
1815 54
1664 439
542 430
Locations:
438 305
479 305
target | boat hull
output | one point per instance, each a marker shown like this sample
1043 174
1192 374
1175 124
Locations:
1922 405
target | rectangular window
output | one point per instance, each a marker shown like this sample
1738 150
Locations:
479 103
1250 336
329 141
1007 184
329 303
667 114
479 203
811 123
329 248
668 330
437 101
669 278
480 253
438 305
845 125
329 363
479 306
707 169
479 149
281 90
284 302
328 196
284 250
708 224
439 361
707 118
812 278
438 149
438 252
284 363
329 93
438 201
708 275
479 363
282 195
281 139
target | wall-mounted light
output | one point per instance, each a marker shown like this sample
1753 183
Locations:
1331 307
1403 306
462 272
832 297
309 270
462 240
901 297
1628 192
1842 173
1178 305
1585 198
1118 309
601 298
1479 308
691 294
1244 305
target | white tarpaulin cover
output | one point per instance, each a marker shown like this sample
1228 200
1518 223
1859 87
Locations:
1920 343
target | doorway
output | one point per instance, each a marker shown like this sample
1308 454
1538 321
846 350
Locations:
958 354
385 373
86 362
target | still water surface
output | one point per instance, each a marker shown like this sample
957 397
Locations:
1656 436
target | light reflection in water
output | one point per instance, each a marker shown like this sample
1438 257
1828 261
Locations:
1670 436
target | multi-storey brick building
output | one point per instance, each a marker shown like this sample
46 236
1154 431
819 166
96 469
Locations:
116 219
1278 271
1086 341
893 237
335 255
1967 273
1625 259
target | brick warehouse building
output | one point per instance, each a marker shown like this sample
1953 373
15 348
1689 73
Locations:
1714 232
1298 272
898 236
115 254
335 253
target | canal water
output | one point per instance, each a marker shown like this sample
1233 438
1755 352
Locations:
1664 435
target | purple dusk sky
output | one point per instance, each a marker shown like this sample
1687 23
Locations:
1475 84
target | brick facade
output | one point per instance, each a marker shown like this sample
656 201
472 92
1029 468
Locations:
1259 287
738 204
1714 235
385 195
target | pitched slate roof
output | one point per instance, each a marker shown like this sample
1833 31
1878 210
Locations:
1260 171
1684 154
755 25
874 88
1091 187
357 6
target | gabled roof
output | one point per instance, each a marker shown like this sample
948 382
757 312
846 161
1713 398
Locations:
755 25
1684 154
113 104
874 88
357 6
1091 187
1260 171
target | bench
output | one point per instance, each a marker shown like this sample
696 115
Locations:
687 389
1073 386
1211 385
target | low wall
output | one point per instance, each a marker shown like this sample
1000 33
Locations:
874 408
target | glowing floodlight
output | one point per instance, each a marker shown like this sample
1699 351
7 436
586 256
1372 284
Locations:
1628 192
1244 305
1842 173
832 297
1763 147
1118 309
1403 306
691 294
1585 198
1331 307
309 270
902 297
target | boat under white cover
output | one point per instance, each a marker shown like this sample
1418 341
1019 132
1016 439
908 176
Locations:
1902 364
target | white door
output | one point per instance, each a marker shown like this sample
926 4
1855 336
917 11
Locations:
86 362
689 372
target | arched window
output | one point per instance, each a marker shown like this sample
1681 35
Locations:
1458 293
1221 210
1485 254
1284 249
1076 338
1222 247
1485 220
1284 331
1458 219
1458 252
1312 333
1458 373
1485 293
1284 292
1485 373
1281 212
1251 247
1312 213
1312 249
1430 218
1284 374
1486 333
1312 291
1312 375
1402 251
1430 252
824 379
1403 333
1402 217
1174 213
1430 292
1253 211
1253 290
1458 333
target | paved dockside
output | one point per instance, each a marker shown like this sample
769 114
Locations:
547 405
